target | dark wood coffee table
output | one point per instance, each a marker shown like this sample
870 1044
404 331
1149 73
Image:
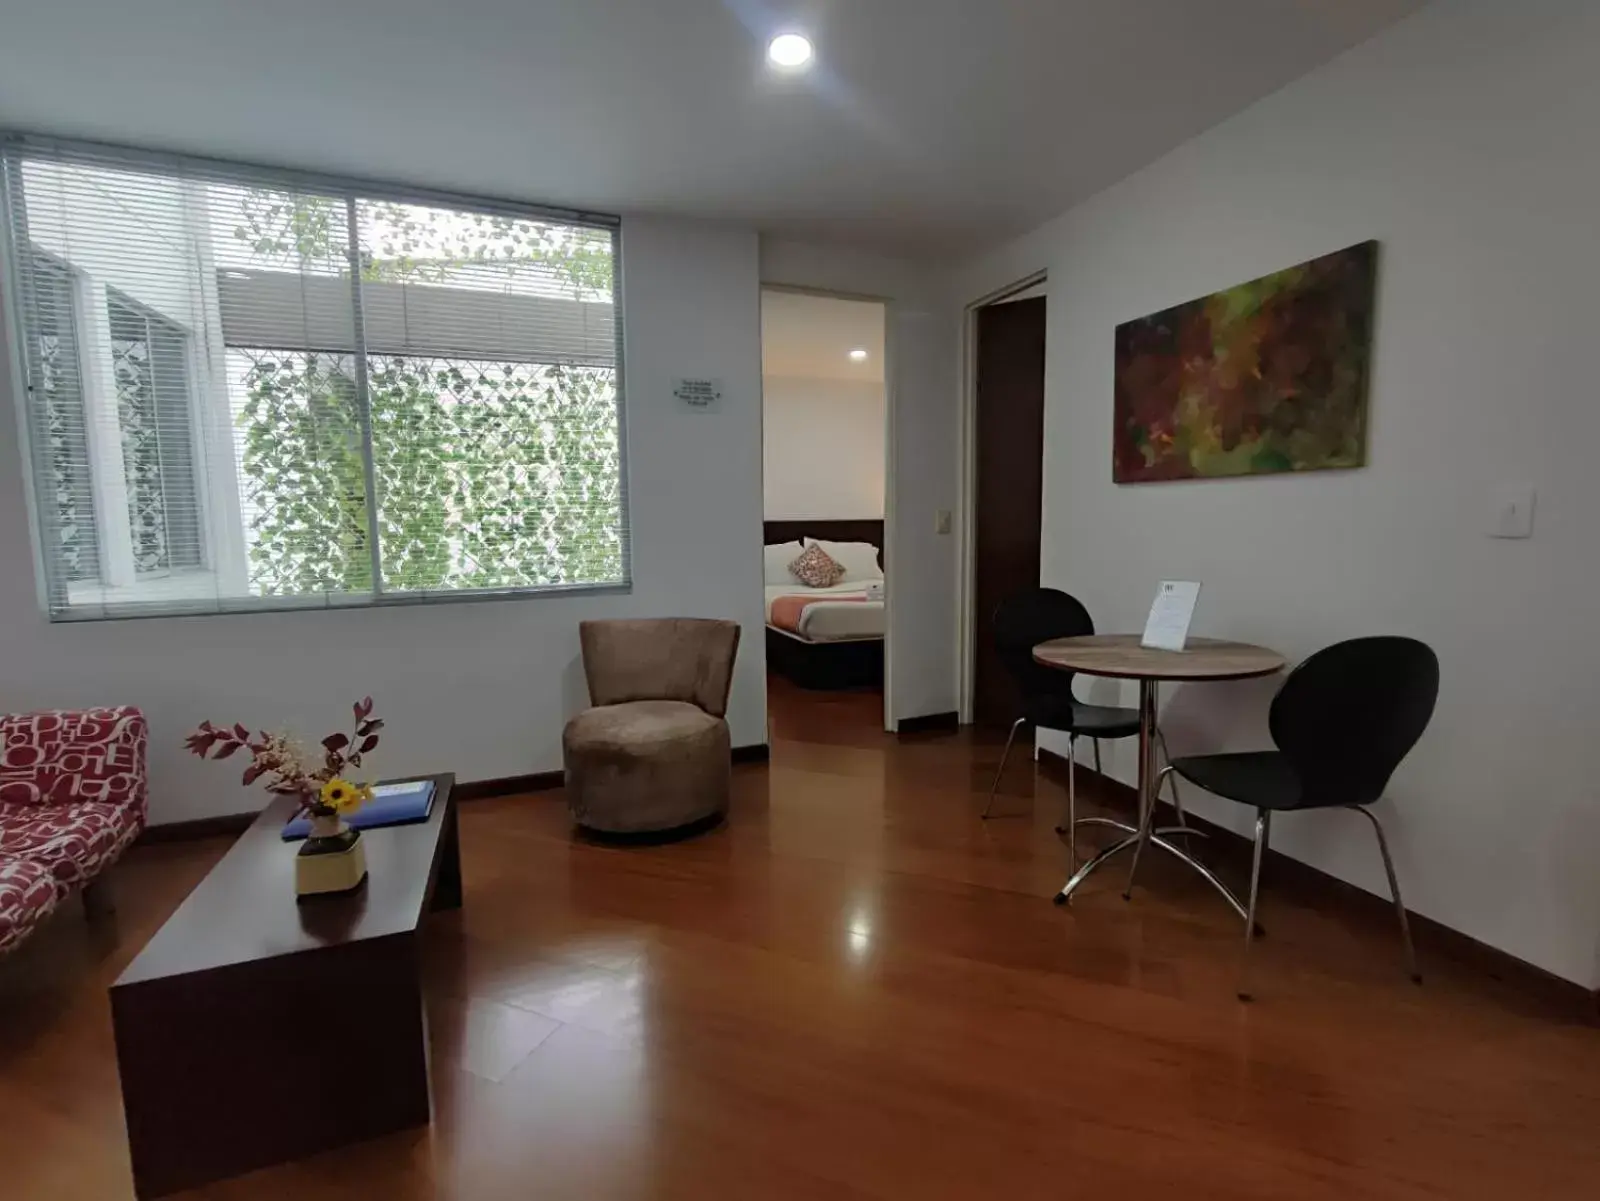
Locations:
253 1029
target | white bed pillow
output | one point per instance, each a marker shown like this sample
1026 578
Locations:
859 559
778 559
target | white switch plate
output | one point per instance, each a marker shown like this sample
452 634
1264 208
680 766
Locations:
941 522
1512 515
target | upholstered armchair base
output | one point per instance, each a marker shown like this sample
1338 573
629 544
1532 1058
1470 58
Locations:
653 756
646 767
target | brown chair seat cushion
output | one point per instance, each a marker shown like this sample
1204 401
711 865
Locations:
640 729
646 766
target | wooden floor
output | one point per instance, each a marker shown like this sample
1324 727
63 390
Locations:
854 990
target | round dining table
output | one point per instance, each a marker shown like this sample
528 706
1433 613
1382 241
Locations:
1124 657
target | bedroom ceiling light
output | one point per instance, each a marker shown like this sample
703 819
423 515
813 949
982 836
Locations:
789 52
858 356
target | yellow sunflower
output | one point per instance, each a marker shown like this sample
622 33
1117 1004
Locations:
344 797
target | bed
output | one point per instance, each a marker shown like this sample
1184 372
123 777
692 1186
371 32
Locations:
827 638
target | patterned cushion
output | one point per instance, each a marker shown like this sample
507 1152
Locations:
816 568
96 754
72 842
27 893
72 797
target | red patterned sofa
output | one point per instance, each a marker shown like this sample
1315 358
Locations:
72 797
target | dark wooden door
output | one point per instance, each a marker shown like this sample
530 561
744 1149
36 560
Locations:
1010 485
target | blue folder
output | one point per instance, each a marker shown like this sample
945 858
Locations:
391 805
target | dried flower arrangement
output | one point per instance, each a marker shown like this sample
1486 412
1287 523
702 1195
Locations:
324 790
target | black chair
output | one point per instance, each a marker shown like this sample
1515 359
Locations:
1022 622
1343 721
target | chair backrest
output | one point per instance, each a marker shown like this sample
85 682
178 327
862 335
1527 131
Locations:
1349 714
660 659
1024 620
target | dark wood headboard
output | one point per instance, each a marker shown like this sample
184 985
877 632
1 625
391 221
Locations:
850 530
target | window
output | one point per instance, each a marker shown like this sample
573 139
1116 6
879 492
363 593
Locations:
248 390
150 379
65 492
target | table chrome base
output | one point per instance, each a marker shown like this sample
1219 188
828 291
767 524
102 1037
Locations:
1103 821
1157 839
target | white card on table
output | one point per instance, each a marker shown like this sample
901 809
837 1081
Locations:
1168 627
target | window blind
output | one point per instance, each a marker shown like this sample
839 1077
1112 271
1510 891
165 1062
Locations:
248 389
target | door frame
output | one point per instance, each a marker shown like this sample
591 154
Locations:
968 493
889 559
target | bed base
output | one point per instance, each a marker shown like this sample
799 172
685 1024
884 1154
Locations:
825 666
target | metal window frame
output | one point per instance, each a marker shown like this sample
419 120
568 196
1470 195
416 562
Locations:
16 145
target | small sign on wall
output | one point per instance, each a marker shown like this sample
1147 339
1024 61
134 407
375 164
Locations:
702 395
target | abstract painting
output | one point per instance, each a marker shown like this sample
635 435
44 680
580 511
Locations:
1266 377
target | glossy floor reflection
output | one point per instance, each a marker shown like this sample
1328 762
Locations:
856 989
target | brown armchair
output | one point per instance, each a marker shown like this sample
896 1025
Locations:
653 754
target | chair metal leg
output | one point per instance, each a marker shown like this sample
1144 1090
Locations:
1145 826
1099 771
1000 771
1263 832
1394 891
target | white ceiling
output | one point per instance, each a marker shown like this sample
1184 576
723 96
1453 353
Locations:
811 337
927 125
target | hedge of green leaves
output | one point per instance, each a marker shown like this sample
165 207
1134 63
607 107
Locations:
489 475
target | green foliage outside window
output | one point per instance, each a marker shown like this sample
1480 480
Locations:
413 244
488 474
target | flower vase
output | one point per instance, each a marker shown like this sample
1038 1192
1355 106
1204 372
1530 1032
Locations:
331 860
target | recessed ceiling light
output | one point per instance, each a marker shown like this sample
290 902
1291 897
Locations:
790 51
858 356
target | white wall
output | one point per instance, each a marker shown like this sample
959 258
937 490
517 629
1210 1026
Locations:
822 448
1464 140
480 689
923 333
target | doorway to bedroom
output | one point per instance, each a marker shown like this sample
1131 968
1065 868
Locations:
824 458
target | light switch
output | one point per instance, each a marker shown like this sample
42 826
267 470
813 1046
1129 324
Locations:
1512 516
941 522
